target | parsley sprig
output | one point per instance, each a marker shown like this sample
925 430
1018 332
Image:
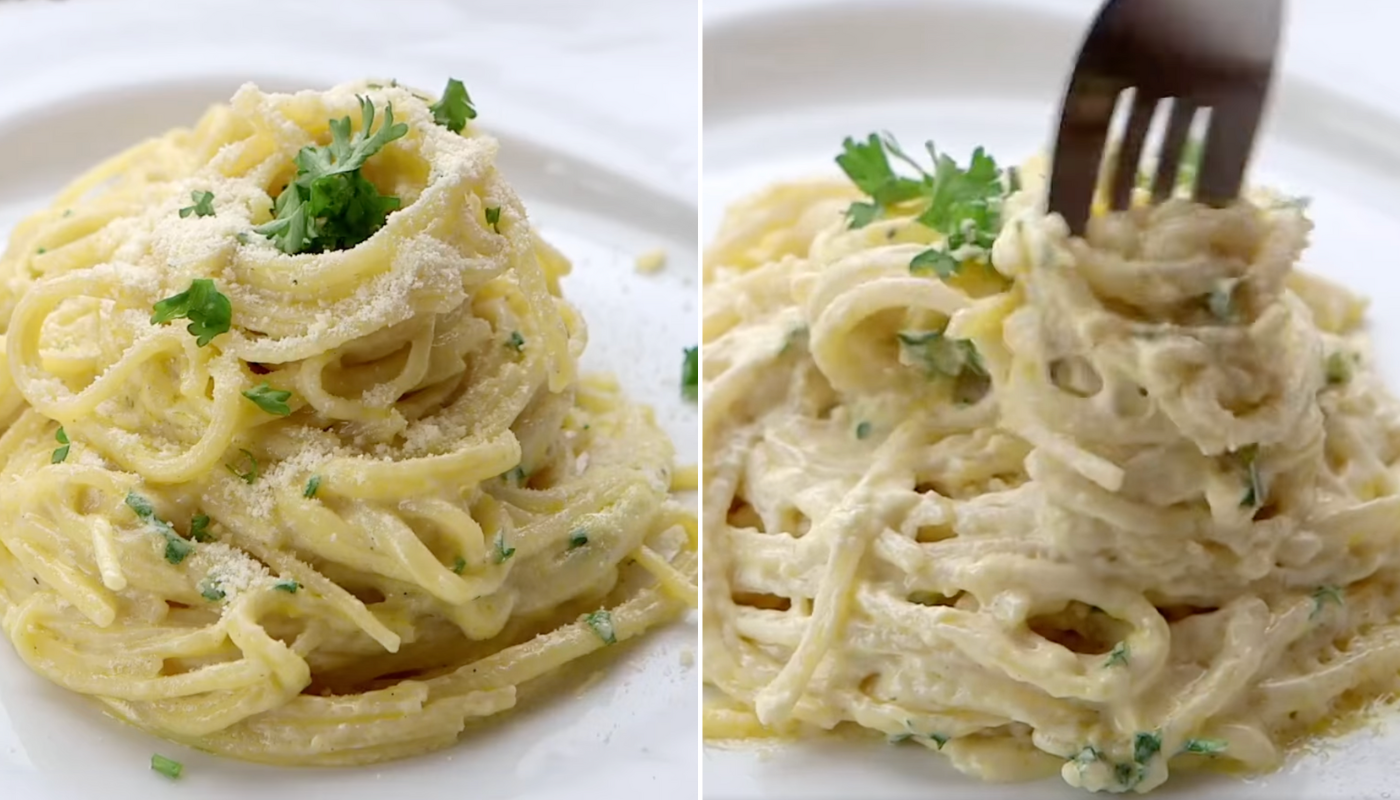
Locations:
273 401
60 454
176 548
963 204
209 311
330 205
455 107
203 205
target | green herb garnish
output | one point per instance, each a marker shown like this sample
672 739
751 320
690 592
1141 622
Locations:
938 261
60 453
516 341
459 565
140 505
168 767
502 552
516 476
578 538
1221 301
203 205
1118 656
1255 491
312 486
942 355
210 591
601 623
252 473
493 218
1146 745
199 528
330 205
938 739
1339 369
1087 756
455 107
273 401
288 586
962 204
210 313
862 430
690 374
1322 595
1205 746
176 548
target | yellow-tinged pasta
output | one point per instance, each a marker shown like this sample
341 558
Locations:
359 578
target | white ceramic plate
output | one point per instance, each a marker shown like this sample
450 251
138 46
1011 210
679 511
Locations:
786 80
595 107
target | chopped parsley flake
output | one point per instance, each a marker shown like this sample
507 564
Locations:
459 565
455 107
578 538
140 505
1118 656
502 552
168 767
1221 301
1146 745
1205 746
601 623
1323 595
252 473
516 476
1255 492
176 548
1087 756
273 401
199 528
493 218
1339 369
312 486
938 739
203 205
516 341
690 374
61 453
288 586
210 313
210 591
942 355
330 205
863 430
938 261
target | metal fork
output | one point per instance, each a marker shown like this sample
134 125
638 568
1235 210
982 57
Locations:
1203 54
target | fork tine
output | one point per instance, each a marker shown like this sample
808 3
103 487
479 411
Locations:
1079 148
1173 143
1130 150
1227 148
